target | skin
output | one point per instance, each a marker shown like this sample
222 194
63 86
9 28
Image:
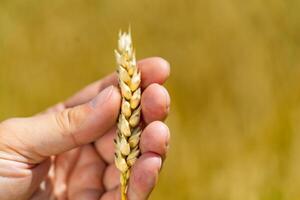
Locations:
67 151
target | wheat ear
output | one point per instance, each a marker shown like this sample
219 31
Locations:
129 130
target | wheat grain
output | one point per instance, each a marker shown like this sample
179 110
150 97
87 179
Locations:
129 131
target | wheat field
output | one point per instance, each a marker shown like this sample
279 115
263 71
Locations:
235 82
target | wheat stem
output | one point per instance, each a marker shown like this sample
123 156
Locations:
129 131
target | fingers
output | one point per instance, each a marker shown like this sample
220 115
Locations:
64 164
111 195
155 138
155 103
144 176
49 134
111 178
154 70
90 91
86 178
155 106
142 180
105 145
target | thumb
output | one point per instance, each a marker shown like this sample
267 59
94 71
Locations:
44 135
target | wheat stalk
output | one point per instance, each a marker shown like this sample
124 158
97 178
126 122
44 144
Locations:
129 129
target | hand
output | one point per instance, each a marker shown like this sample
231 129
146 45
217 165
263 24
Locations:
67 152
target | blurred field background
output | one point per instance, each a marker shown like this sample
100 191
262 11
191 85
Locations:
235 82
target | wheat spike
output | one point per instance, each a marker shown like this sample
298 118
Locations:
129 131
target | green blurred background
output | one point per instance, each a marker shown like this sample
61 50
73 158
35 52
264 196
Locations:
235 82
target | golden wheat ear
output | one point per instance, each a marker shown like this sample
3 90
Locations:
129 129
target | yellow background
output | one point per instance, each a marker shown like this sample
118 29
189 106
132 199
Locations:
235 82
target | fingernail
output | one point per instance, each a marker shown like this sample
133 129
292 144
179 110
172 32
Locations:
102 96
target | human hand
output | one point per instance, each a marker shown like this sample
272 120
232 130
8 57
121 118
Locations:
67 152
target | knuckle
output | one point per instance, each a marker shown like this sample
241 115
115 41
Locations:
70 120
65 125
64 121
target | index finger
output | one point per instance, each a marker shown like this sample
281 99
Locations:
153 70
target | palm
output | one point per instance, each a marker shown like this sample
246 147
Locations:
79 174
87 172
